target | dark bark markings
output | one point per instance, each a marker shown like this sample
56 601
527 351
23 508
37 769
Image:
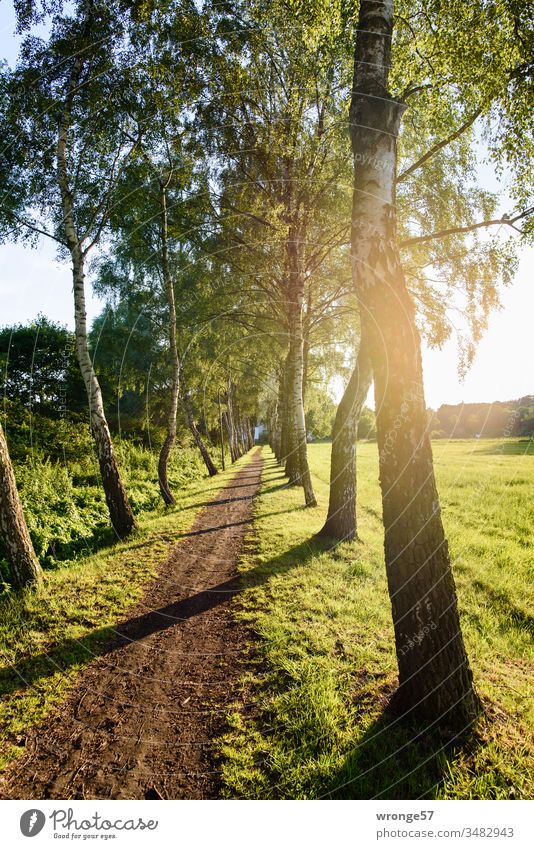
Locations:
435 681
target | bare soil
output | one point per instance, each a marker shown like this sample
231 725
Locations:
141 720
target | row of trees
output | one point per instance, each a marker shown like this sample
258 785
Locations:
199 154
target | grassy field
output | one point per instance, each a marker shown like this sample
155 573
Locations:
47 637
314 722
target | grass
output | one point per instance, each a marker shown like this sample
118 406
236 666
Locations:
47 637
314 722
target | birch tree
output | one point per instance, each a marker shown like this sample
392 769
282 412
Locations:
66 158
435 680
444 218
273 122
23 563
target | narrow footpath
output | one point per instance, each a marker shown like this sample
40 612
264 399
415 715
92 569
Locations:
140 722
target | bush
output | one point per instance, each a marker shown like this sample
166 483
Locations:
58 514
67 439
64 504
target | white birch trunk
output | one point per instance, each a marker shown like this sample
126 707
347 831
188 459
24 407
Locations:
119 508
170 438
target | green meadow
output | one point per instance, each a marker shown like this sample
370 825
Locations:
311 720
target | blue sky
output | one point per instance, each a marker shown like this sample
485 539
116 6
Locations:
33 282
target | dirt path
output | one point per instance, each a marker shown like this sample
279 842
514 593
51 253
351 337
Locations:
139 723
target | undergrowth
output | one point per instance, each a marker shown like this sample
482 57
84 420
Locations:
59 484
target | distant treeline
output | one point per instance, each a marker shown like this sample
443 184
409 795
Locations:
39 372
498 419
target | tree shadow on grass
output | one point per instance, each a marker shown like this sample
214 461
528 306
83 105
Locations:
391 760
397 759
279 481
510 614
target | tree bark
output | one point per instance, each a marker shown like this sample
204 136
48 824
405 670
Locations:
277 426
287 441
291 468
246 433
275 433
226 421
170 437
231 420
238 423
23 563
250 427
341 520
435 681
306 343
221 431
190 415
120 512
298 436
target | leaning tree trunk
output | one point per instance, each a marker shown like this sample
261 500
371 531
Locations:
435 681
119 508
341 522
298 436
23 563
170 437
190 415
120 512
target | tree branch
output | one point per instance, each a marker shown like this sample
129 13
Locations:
468 228
35 229
439 146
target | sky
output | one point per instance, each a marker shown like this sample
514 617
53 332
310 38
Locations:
33 282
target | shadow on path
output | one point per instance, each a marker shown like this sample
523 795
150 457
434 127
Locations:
71 652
